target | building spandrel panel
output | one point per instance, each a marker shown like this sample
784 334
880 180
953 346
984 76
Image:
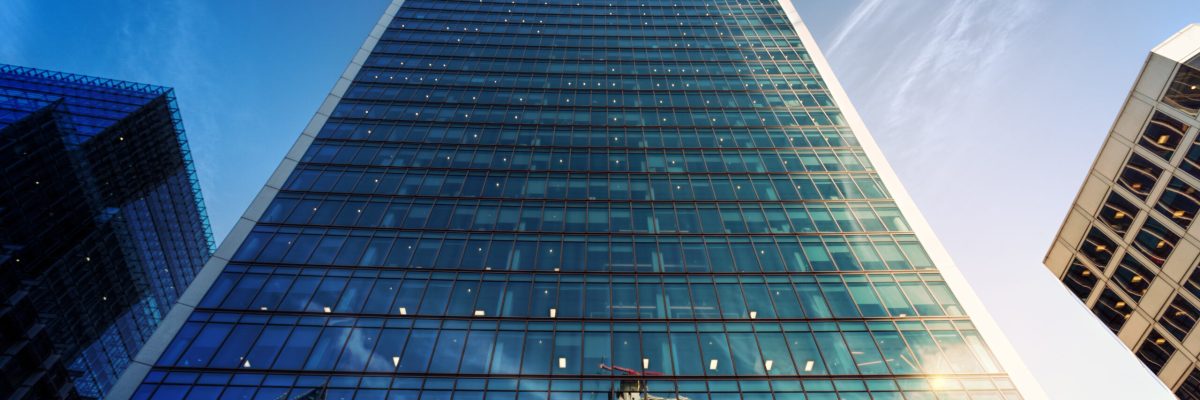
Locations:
578 200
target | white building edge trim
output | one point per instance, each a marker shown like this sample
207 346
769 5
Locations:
991 332
140 366
1181 46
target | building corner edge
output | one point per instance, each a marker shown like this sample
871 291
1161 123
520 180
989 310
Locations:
995 338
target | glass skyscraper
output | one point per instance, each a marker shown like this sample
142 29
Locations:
102 226
585 199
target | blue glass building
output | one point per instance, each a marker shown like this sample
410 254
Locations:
584 199
101 228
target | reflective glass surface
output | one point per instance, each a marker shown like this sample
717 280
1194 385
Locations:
1179 317
1155 351
1097 247
1182 92
1156 241
1080 280
102 226
1118 213
1162 135
1112 309
577 200
1139 176
1179 201
1190 388
1133 276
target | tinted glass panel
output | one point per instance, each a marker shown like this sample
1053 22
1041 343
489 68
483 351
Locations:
1192 284
1179 317
1180 202
1112 309
1139 176
1190 388
1155 351
1162 135
1133 276
1155 241
1184 90
1097 247
1118 213
1080 280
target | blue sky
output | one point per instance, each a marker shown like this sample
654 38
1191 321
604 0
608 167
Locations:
990 111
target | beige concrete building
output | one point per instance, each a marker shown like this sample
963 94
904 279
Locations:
1129 248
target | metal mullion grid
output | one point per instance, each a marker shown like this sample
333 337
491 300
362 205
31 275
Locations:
505 173
259 267
204 325
946 354
552 377
1126 239
1168 307
400 143
392 169
663 6
567 233
598 377
480 279
423 71
92 84
428 35
530 15
1144 341
1102 278
762 111
1121 296
290 285
426 58
558 126
612 150
300 271
326 199
1123 242
756 52
1189 384
498 28
1184 293
407 52
1171 340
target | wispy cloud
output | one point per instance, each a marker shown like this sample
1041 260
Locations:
852 24
13 17
938 55
191 69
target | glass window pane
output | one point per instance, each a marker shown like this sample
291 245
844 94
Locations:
1182 92
1162 135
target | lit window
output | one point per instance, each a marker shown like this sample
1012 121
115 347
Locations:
1162 135
1139 176
1184 91
1155 351
1118 213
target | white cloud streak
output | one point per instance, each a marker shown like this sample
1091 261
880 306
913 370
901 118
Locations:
13 27
852 24
939 56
